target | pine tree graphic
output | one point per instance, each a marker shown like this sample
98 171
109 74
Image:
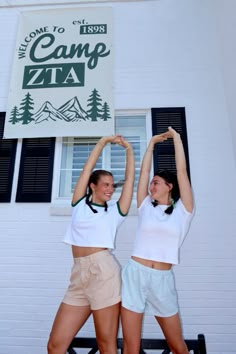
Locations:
105 112
94 102
14 115
27 105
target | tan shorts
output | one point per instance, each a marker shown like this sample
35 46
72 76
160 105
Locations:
95 281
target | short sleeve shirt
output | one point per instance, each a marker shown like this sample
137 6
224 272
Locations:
88 229
159 235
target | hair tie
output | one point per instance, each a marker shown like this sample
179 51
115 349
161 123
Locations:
106 206
169 210
172 202
89 204
154 203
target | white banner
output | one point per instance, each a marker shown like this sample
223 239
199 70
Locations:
62 75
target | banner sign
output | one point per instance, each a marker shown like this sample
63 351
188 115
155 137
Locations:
62 76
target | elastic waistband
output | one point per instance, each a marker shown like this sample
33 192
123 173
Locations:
92 257
147 269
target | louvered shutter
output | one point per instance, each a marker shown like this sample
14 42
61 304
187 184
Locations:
162 118
36 170
7 163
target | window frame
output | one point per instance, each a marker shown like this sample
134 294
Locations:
66 201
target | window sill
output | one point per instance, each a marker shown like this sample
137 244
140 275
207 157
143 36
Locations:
64 208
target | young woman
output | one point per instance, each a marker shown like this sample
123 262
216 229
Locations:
147 280
95 279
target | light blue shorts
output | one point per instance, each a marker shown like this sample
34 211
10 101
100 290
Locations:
145 288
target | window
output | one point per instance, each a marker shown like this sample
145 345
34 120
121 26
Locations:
75 152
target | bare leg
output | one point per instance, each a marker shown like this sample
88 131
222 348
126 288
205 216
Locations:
131 328
106 322
67 323
171 327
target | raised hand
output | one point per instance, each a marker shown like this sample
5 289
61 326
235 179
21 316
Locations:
173 133
161 137
115 139
123 142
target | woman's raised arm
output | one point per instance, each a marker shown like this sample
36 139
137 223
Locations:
186 194
127 190
142 190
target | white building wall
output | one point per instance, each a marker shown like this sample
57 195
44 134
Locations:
224 13
166 55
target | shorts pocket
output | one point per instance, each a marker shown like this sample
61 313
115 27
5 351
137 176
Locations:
170 285
107 268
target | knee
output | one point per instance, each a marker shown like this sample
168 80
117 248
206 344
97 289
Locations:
131 346
107 346
180 348
53 347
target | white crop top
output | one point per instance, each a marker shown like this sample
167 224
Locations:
89 229
159 235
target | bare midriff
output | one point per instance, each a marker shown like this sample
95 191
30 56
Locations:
152 264
78 251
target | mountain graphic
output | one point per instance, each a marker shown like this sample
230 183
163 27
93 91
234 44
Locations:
73 110
47 112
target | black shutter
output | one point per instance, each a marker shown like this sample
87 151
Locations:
162 118
7 163
36 170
